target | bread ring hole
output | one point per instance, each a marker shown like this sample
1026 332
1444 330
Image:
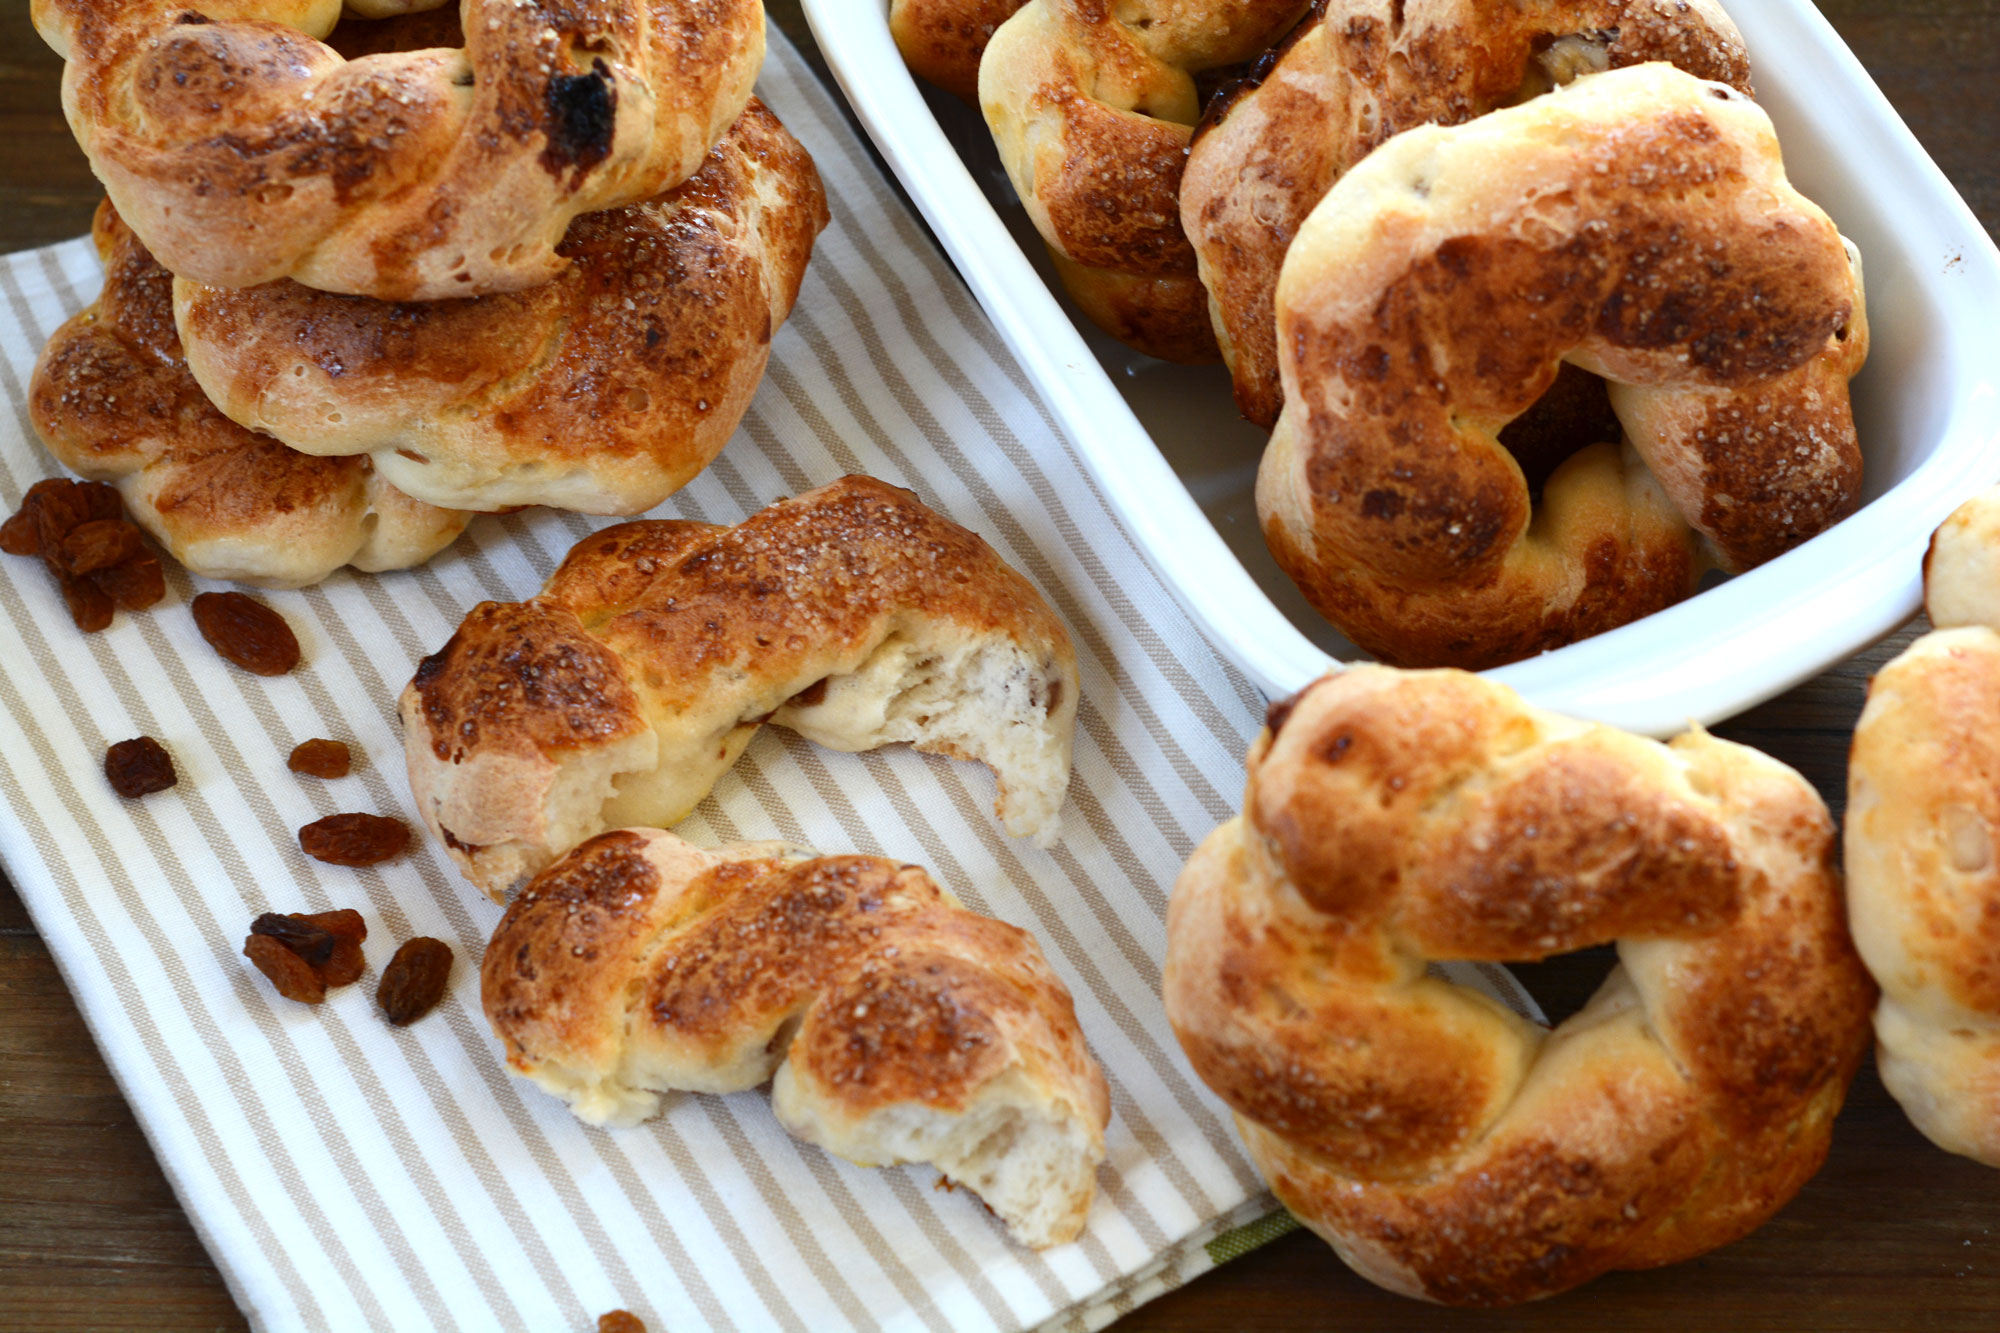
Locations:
637 399
1573 413
1563 984
1561 59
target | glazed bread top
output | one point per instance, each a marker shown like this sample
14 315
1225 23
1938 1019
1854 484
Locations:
242 149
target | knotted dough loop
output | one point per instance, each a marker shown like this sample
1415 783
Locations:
942 40
852 614
1355 74
605 390
1637 224
1091 105
113 400
895 1025
1923 816
1445 1147
242 150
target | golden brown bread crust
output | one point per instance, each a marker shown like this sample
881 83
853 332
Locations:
658 648
1637 224
113 401
605 390
1091 106
1355 74
942 40
1923 813
639 964
242 150
1446 1148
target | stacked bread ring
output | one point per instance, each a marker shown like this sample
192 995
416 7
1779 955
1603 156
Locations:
242 149
620 225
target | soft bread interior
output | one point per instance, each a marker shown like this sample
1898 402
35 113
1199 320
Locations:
1028 1158
973 698
979 699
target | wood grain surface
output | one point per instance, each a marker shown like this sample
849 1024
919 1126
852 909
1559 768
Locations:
1892 1233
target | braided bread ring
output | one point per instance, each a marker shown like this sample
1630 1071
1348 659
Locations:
242 150
113 400
605 390
895 1025
1443 1146
1357 73
1636 223
1923 807
1091 106
852 614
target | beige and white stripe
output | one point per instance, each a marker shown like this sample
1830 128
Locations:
346 1174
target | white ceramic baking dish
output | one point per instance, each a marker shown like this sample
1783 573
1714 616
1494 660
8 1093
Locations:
1177 463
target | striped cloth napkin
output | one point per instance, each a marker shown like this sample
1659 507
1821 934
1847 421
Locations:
346 1174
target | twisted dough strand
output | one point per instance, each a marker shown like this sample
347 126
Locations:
898 1025
1637 224
1445 1147
241 149
1091 106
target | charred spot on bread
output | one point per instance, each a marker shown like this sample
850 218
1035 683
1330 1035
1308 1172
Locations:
583 114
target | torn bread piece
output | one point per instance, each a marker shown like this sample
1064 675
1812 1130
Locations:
853 614
896 1025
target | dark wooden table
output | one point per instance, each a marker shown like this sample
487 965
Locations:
1892 1233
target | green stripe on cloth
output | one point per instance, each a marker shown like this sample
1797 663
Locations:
1235 1244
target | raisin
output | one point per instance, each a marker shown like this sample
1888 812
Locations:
414 981
348 930
88 606
347 963
20 534
139 766
354 839
328 942
620 1321
291 974
61 506
310 942
134 585
246 632
99 544
320 759
342 923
